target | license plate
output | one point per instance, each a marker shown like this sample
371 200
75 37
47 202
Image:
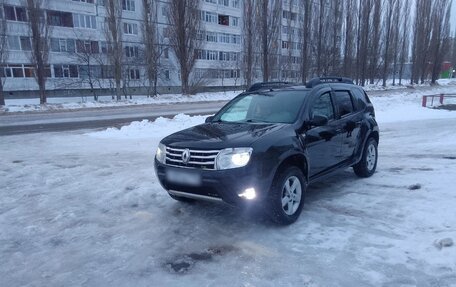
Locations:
183 177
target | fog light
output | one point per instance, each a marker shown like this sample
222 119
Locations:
249 194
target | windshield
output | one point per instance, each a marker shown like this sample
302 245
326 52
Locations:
277 107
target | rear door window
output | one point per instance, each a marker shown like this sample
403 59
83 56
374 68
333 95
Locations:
344 103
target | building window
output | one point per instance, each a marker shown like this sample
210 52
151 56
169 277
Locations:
164 11
26 45
234 21
130 28
15 13
13 43
104 47
235 39
235 3
134 74
62 45
224 20
211 37
167 75
87 47
209 17
166 53
224 38
66 71
132 51
85 1
84 21
224 2
128 5
58 18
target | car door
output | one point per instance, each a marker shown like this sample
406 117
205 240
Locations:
349 122
322 142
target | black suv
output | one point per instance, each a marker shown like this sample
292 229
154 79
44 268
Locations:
265 146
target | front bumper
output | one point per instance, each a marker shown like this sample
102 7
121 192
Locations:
219 185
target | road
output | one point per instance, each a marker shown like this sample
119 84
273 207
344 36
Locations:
50 121
20 123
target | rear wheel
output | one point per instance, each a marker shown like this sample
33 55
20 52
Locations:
286 197
368 163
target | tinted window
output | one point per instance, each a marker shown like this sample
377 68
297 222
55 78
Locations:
277 107
344 103
361 99
323 107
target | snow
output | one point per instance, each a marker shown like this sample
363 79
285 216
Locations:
72 103
85 209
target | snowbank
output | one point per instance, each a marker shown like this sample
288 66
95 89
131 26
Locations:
72 103
158 129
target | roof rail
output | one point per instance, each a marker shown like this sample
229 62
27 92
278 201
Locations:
267 86
325 80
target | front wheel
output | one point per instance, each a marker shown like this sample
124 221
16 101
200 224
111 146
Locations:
368 163
286 197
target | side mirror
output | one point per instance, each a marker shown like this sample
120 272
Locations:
319 121
209 119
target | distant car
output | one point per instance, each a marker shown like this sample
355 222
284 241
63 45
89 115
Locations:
263 148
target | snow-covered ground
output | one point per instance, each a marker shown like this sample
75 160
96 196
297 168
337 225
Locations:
72 103
85 209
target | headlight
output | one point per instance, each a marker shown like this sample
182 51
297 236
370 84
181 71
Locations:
161 153
233 158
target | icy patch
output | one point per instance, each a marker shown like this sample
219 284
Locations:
159 128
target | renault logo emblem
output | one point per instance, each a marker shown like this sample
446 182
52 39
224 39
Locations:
186 156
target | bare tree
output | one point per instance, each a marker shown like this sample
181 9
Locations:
364 33
306 40
374 45
390 6
405 39
349 39
3 52
395 37
87 55
249 41
114 36
268 15
440 44
184 20
336 35
39 32
152 45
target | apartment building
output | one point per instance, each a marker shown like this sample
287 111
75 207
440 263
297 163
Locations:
78 46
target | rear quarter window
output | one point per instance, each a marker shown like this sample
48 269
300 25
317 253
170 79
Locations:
361 99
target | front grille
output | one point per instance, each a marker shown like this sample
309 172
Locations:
202 159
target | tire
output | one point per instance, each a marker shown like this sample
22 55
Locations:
282 208
368 163
181 198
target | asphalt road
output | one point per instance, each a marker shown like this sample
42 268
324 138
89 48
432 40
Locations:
53 121
90 118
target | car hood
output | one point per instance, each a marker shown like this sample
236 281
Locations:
220 135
